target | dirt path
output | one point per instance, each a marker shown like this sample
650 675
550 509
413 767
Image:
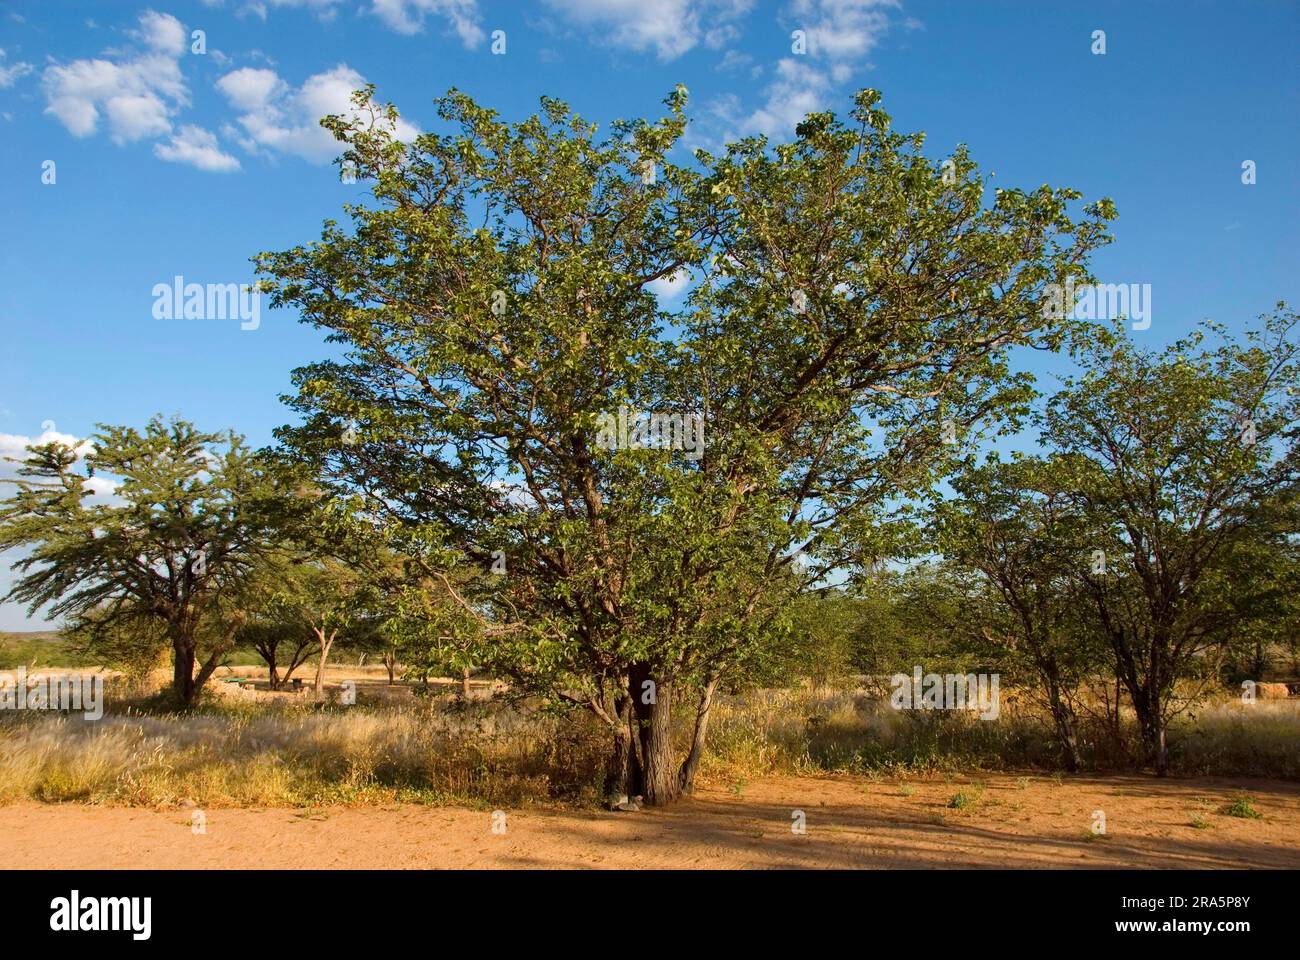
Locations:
851 822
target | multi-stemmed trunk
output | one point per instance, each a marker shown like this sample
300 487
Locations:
325 641
644 760
1066 735
186 687
1148 705
1063 718
1154 745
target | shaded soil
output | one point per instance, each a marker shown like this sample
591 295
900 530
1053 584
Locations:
1004 821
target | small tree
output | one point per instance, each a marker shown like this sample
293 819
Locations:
1174 458
173 546
269 629
1011 525
322 600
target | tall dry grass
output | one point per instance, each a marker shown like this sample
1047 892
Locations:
255 754
805 731
432 750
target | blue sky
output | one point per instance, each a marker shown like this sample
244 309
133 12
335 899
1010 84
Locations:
172 162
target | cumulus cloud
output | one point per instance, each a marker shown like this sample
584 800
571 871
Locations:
277 117
668 27
460 17
842 30
137 94
198 148
13 450
162 32
11 73
839 35
797 90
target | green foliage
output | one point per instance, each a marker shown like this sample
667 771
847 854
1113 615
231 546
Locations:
847 301
1182 466
44 648
1243 807
166 554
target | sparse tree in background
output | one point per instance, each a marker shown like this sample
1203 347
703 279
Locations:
187 522
1023 537
852 310
326 601
1174 458
267 629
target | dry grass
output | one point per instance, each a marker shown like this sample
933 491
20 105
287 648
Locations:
251 754
802 731
240 752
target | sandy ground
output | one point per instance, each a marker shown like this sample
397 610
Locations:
850 822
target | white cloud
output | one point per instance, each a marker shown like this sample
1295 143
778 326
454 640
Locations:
669 27
842 29
137 94
799 89
672 286
840 35
250 89
276 117
404 16
199 148
13 447
407 16
162 32
12 73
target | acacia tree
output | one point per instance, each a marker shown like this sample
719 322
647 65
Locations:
172 547
266 629
1023 536
1182 461
322 599
851 309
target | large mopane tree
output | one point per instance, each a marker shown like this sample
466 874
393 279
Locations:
844 311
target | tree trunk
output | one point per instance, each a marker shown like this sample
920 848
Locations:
686 777
1066 734
183 671
325 644
1062 716
1151 723
653 700
390 661
273 676
623 776
1153 742
464 683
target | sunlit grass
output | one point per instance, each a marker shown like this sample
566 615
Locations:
431 750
